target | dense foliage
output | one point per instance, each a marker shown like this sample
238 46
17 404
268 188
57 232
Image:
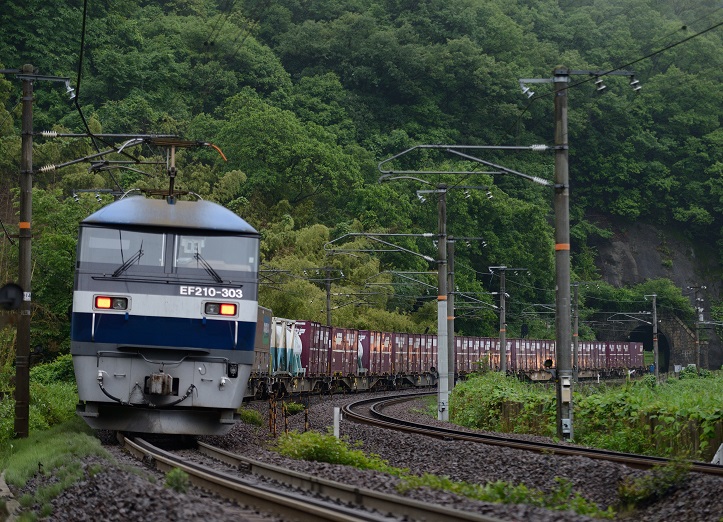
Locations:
305 99
679 418
53 396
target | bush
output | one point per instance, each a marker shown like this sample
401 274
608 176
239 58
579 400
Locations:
53 396
59 370
178 480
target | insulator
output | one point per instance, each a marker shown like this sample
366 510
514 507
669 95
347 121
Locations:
49 134
538 147
47 168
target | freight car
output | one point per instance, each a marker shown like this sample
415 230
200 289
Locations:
164 316
305 356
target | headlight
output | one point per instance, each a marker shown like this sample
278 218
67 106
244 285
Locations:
226 309
104 302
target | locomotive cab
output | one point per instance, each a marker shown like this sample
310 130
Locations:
164 316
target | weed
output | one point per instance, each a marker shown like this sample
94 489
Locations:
178 480
561 498
292 408
26 500
46 510
319 447
661 480
250 417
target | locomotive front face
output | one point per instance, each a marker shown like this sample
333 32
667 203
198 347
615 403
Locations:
163 327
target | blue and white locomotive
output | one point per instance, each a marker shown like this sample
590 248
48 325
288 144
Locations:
164 316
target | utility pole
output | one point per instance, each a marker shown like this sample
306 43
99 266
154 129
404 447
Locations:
22 349
450 312
22 345
576 334
442 346
561 79
327 284
655 337
503 323
503 315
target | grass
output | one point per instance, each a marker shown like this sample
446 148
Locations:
252 417
57 451
318 447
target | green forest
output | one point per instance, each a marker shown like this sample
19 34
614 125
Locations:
306 98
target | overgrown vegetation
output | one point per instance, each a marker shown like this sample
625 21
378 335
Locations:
677 418
318 447
53 396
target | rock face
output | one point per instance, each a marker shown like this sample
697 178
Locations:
638 251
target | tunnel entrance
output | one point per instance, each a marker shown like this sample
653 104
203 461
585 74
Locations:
644 334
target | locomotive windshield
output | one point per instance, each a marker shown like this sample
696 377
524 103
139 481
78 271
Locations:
122 249
220 253
119 252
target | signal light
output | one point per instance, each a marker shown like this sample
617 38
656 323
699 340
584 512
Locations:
225 309
228 309
104 302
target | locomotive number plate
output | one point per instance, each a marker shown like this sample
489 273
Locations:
209 291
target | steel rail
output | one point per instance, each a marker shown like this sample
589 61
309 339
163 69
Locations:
377 418
404 507
288 505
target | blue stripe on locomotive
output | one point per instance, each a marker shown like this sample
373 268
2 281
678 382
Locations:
166 332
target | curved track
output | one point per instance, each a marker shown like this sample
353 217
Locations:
369 411
313 498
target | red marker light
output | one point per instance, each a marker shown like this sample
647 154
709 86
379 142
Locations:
104 302
227 309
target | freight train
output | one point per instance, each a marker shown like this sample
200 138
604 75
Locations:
306 357
167 336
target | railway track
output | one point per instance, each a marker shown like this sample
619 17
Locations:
308 498
369 411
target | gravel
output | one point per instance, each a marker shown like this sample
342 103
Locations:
128 491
